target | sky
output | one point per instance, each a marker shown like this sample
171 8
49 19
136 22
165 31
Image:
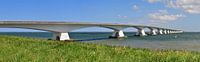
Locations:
177 14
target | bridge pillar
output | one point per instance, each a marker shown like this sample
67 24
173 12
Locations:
160 31
173 32
165 31
153 31
141 32
61 36
168 32
181 31
118 34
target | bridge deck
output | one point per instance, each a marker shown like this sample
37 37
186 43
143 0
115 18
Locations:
73 23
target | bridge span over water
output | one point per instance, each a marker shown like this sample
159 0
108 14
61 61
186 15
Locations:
61 29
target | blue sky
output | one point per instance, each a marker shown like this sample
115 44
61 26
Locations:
162 13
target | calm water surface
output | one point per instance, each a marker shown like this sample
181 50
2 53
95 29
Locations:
183 41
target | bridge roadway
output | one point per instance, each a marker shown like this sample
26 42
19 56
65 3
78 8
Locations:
61 29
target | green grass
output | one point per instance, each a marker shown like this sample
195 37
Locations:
18 49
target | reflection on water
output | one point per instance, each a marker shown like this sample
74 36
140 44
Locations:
183 41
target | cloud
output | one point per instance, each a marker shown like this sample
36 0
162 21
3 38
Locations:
164 16
189 6
135 7
153 1
121 16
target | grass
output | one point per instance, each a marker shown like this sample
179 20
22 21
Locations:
18 49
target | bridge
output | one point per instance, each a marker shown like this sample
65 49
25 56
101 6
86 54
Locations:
61 29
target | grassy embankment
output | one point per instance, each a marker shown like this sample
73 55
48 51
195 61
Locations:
18 49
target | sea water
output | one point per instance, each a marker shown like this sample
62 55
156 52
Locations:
181 41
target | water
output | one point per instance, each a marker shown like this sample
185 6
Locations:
183 41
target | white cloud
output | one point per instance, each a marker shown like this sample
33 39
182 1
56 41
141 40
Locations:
135 7
153 1
164 16
190 6
121 16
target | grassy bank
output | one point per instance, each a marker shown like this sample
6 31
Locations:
18 49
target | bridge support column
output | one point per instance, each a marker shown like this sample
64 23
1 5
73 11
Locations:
141 32
160 31
118 34
165 31
61 36
153 32
168 32
179 31
173 32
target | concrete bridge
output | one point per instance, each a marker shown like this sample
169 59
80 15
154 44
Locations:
61 29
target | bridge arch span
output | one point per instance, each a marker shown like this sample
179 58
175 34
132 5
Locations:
144 30
98 27
61 29
117 30
31 29
60 32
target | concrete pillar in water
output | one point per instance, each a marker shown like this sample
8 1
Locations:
141 32
165 31
61 36
153 32
118 34
160 31
168 32
173 32
180 31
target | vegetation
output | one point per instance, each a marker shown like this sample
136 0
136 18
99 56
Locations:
18 49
